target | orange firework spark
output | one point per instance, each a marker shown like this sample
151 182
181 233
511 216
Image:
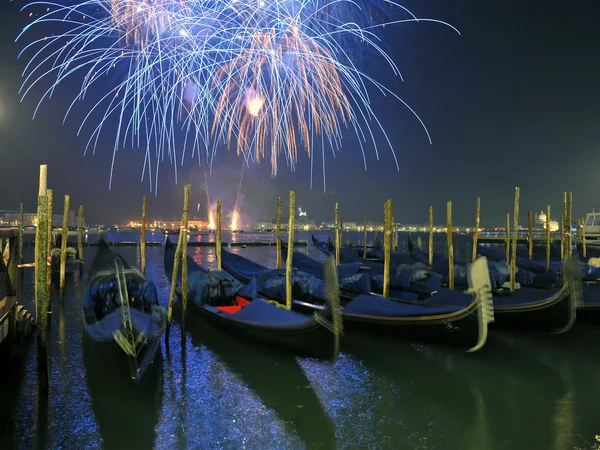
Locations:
276 93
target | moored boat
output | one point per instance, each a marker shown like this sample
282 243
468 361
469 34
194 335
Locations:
461 322
235 308
121 312
527 308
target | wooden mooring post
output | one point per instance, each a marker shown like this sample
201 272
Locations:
336 225
431 235
507 239
513 261
561 229
50 222
183 228
278 234
41 293
569 222
583 243
218 234
387 246
476 231
290 251
365 237
177 260
143 236
63 247
530 233
21 225
450 245
548 238
396 236
43 186
80 235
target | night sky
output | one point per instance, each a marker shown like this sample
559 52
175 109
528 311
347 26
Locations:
512 101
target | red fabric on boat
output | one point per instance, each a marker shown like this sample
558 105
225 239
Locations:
229 309
241 302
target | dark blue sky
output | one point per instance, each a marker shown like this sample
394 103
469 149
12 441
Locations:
514 100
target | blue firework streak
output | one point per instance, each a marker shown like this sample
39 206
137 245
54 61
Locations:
268 77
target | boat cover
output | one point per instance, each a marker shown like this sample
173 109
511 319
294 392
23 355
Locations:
351 276
104 330
371 304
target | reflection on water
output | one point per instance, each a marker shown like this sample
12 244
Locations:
521 391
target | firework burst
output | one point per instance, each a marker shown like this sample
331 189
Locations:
266 77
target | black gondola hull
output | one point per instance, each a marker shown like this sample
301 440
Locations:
460 331
544 317
313 340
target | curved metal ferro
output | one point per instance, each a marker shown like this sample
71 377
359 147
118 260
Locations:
572 279
480 285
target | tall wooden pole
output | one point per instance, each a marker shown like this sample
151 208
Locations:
569 221
476 232
450 245
290 251
365 237
507 239
50 222
530 234
336 225
218 234
41 266
548 240
21 225
395 236
513 261
583 242
278 233
563 219
431 235
187 191
50 196
80 234
179 254
387 246
63 248
43 186
174 275
143 236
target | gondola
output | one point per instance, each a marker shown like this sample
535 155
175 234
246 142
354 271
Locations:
529 308
463 323
121 312
232 307
588 309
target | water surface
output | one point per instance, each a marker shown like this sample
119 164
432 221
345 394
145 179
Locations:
212 391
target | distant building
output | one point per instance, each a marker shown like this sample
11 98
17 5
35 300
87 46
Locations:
351 226
200 224
540 219
264 225
11 217
305 224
